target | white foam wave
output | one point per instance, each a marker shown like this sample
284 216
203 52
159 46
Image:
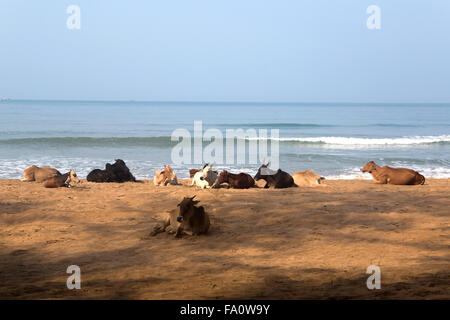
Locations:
413 140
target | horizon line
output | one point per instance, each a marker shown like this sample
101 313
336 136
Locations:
218 102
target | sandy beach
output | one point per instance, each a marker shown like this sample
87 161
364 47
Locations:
298 243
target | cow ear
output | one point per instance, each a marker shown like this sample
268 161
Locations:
178 205
195 201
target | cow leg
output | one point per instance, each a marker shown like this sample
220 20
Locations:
381 180
159 229
179 232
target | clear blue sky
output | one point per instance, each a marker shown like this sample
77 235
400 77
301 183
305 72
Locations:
229 50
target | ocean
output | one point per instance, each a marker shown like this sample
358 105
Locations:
333 139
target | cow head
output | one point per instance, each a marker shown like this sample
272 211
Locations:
223 177
264 171
369 167
73 177
186 209
168 173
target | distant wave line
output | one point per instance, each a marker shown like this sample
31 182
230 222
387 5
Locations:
161 140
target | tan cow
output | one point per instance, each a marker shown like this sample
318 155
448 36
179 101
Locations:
388 175
65 180
307 178
190 219
165 177
39 174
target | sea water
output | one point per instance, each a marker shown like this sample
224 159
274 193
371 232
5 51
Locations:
333 139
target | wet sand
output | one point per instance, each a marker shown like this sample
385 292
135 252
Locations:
298 243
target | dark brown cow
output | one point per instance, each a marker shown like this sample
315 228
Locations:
274 179
190 219
388 175
64 180
236 181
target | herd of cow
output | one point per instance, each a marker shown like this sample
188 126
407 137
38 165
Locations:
194 220
209 178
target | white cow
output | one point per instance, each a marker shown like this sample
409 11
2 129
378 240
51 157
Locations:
205 178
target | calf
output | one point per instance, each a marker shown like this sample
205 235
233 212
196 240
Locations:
64 180
190 219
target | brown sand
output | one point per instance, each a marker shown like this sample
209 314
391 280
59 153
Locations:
263 244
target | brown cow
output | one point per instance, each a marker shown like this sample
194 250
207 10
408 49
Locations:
388 175
39 174
192 172
236 181
274 179
190 219
64 180
307 178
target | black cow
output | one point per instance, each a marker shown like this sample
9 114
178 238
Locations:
274 179
117 172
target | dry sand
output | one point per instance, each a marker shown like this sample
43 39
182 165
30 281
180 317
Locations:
263 244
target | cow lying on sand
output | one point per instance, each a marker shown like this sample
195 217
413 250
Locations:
307 178
205 178
39 174
274 179
165 177
236 181
117 172
64 180
388 175
190 219
192 172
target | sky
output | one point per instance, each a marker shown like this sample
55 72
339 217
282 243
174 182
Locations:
230 50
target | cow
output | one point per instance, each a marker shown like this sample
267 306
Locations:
165 177
307 178
189 219
39 174
192 172
117 172
64 180
236 181
397 176
205 178
274 179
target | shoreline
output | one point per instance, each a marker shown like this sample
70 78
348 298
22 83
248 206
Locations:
295 243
